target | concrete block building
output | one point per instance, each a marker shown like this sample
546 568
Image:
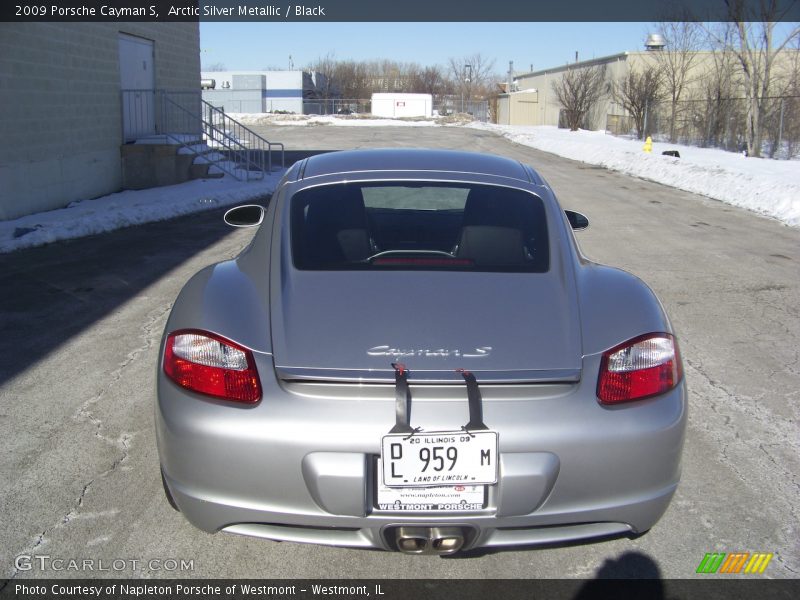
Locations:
63 121
533 102
261 91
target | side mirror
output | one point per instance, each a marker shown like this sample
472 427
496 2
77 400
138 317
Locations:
248 215
576 220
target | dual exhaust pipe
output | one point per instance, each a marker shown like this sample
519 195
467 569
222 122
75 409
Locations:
429 540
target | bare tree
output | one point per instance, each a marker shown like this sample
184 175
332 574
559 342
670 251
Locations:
217 66
717 115
683 40
391 76
780 119
578 91
358 79
326 67
472 76
638 92
791 108
752 26
351 79
429 80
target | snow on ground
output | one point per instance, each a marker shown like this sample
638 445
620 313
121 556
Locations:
339 121
131 207
768 187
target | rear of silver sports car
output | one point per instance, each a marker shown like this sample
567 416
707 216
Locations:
427 399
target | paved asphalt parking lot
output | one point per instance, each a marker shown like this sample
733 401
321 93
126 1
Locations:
81 323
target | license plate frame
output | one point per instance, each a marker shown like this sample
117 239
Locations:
405 465
440 500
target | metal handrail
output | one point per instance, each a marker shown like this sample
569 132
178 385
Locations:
174 115
249 132
233 146
221 132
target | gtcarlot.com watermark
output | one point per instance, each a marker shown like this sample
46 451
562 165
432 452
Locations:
45 562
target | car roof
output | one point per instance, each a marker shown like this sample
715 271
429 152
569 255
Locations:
415 159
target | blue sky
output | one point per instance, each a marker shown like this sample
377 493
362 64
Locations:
243 46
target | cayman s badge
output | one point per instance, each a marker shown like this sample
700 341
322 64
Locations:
479 352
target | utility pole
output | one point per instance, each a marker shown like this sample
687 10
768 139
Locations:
467 82
509 88
780 129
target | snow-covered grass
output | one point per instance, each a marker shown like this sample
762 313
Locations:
768 187
131 207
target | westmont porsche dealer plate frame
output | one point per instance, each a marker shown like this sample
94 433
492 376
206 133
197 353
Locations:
450 499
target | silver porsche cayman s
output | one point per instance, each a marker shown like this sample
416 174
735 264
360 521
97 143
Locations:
412 354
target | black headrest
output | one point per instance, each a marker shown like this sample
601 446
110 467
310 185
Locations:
485 208
337 207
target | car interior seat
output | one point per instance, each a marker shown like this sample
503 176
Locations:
336 228
491 234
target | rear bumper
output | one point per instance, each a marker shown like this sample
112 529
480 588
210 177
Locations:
375 531
301 465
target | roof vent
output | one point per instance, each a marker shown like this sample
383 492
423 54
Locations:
655 41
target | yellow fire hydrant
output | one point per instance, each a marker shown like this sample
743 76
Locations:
648 144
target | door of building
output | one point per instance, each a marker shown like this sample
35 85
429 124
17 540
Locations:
138 82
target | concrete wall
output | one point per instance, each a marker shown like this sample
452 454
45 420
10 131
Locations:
153 165
61 115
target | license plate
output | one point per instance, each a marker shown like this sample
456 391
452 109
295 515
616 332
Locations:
439 459
455 498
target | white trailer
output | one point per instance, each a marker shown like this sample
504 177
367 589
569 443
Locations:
394 106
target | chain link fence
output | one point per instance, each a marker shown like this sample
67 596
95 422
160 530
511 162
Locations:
442 106
453 105
719 123
337 106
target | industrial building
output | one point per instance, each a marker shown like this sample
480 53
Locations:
262 91
532 100
65 115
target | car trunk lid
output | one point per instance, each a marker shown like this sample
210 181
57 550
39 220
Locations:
351 326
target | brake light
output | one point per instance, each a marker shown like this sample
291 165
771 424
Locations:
642 367
209 364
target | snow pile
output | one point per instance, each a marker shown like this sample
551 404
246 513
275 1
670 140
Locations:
270 119
768 187
131 207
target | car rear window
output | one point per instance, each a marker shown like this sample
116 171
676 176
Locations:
402 225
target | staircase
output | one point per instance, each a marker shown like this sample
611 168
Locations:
191 156
218 144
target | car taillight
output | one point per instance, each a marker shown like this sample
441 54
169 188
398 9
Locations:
642 367
209 364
